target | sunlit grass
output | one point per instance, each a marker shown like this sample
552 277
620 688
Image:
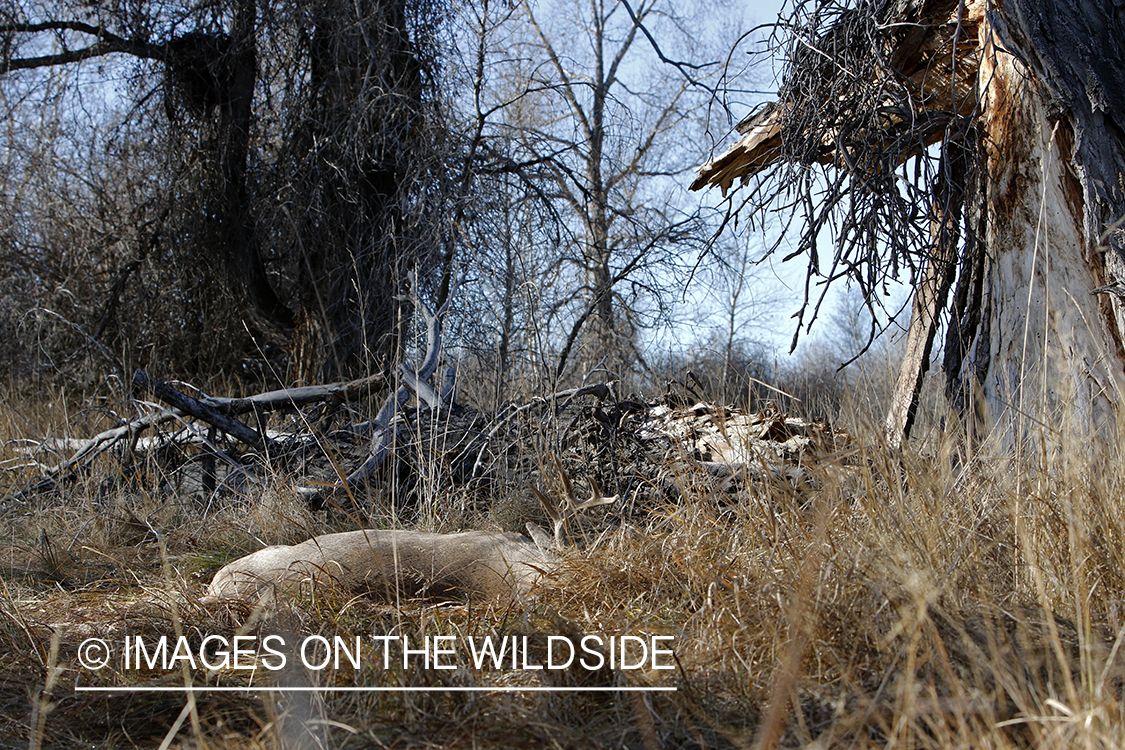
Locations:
942 597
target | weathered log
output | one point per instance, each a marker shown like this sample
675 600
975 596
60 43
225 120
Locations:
88 449
292 398
449 387
423 390
188 405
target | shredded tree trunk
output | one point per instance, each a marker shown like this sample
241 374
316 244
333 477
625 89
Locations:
1035 92
1046 357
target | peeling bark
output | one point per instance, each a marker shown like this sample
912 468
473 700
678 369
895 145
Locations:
1035 349
930 297
1047 362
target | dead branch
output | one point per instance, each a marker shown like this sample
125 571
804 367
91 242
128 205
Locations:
190 406
414 381
91 449
293 398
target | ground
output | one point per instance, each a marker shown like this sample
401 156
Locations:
940 596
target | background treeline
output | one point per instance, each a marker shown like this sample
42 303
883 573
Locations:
236 191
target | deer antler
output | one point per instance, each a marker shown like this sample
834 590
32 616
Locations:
571 507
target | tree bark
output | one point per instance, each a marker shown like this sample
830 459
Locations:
1045 353
359 148
237 225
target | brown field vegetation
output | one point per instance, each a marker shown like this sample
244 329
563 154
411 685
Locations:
941 597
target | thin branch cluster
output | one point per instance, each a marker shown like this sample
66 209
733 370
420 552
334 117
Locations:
858 116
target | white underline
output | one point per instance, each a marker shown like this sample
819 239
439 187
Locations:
255 689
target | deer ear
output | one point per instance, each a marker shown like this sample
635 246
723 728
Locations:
541 538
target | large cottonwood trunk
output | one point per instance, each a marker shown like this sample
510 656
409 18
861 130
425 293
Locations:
358 149
237 234
1035 90
1040 355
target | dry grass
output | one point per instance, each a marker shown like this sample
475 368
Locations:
936 599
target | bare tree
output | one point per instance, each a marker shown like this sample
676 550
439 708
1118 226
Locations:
299 178
602 127
732 311
1021 204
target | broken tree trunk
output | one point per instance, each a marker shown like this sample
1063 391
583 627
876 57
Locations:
1035 351
929 299
1045 354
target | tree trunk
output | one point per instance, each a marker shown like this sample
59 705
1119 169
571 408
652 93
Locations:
1044 351
358 152
237 231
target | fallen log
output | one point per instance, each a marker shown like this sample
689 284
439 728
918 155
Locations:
294 398
91 448
188 405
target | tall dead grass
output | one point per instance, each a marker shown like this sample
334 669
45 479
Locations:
945 597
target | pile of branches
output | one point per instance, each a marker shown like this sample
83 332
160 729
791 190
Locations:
316 437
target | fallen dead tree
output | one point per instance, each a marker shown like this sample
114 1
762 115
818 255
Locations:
634 448
322 439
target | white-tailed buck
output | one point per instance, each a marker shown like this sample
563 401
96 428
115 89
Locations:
486 564
382 562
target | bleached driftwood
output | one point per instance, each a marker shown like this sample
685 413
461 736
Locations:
487 564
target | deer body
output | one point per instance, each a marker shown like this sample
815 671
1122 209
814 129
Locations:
386 562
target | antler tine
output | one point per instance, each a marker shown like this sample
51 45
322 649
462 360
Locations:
570 501
558 520
548 506
596 497
570 506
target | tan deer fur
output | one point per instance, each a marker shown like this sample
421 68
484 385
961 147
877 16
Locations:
382 563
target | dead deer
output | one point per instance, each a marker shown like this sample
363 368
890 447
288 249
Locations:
486 564
385 562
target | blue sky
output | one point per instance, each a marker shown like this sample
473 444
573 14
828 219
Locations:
776 288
